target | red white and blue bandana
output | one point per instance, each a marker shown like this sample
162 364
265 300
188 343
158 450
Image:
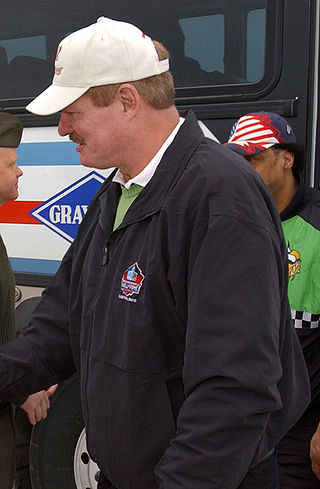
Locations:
257 132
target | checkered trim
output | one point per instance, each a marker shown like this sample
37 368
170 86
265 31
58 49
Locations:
304 319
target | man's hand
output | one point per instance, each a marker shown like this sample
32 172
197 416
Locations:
37 405
315 452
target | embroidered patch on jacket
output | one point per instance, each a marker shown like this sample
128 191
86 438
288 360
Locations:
294 260
131 282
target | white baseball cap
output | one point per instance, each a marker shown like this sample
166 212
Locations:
103 53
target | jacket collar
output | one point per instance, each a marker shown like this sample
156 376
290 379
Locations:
303 196
154 195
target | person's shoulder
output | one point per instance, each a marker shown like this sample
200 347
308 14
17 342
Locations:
309 198
310 208
229 185
223 166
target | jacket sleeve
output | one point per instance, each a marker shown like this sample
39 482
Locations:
41 356
232 365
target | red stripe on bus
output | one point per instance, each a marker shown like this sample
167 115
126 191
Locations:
16 212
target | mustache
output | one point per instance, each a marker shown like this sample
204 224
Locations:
75 138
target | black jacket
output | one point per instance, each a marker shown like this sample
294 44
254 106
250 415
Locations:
178 324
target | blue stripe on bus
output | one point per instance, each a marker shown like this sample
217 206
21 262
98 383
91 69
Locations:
56 153
30 265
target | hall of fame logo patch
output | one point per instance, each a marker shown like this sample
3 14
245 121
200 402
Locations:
131 282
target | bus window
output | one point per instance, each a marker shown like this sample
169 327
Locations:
216 49
202 31
18 58
204 49
256 34
25 46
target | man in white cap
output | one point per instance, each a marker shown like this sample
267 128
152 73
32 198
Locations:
171 302
268 142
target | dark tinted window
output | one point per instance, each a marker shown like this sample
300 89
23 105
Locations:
217 46
205 47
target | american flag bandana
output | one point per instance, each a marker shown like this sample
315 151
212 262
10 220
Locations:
257 132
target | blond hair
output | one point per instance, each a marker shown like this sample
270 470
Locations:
157 90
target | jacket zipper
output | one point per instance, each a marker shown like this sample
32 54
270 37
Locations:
106 252
104 263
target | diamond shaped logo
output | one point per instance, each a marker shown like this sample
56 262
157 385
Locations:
63 212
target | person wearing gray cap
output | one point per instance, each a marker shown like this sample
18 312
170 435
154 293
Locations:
171 302
267 141
35 405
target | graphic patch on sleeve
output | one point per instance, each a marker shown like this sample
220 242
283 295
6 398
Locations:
294 261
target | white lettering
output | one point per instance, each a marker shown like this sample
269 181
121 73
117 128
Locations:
77 216
64 214
128 299
53 215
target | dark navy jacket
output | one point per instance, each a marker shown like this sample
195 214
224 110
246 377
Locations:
177 323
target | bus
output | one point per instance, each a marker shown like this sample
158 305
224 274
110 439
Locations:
228 58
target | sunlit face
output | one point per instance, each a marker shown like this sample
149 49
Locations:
269 165
9 175
96 130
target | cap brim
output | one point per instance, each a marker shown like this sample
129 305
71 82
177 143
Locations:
54 99
249 149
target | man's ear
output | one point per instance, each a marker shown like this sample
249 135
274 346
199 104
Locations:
288 158
129 97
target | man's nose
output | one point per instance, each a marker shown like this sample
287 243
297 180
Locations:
64 127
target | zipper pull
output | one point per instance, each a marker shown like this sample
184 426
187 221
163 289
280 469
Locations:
105 253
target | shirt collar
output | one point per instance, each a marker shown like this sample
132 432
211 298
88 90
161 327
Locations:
144 177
